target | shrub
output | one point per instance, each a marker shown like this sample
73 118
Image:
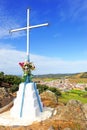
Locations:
55 90
42 88
85 88
14 88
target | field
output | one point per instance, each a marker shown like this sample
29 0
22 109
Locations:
78 80
73 94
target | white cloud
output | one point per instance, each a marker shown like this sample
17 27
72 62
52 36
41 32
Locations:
6 27
7 23
9 60
76 10
6 46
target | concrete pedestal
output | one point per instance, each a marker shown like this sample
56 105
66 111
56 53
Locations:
27 104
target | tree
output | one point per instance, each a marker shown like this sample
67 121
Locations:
14 88
11 79
1 77
42 88
85 88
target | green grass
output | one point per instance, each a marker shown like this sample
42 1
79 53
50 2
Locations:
73 94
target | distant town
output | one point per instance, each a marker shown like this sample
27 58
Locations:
65 84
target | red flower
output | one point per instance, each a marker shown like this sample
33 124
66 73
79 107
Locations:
21 64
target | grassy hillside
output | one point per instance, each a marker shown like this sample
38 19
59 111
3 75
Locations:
74 78
78 78
50 77
79 75
73 94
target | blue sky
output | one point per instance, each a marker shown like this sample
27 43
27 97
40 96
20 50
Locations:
59 48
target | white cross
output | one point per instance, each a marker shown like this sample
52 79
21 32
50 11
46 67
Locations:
28 31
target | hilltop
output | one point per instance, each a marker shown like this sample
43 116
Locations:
65 109
79 75
74 78
65 75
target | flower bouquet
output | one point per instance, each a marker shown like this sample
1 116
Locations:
27 67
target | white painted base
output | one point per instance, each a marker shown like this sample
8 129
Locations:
7 120
27 104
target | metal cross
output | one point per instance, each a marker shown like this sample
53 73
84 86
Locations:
28 31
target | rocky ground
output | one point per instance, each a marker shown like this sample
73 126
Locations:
5 97
72 116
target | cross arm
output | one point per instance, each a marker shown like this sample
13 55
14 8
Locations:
40 25
29 27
